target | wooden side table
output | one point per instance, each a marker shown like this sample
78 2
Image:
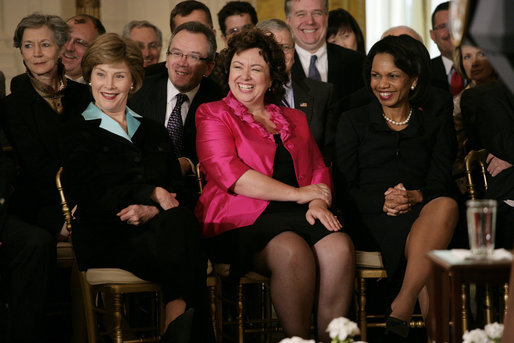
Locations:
450 276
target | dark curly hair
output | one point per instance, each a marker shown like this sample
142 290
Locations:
410 55
270 51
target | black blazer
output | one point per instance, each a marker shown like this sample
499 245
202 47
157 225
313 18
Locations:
439 77
316 99
104 173
34 130
344 69
150 102
492 121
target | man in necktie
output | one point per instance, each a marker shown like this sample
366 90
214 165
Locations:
314 57
456 82
172 97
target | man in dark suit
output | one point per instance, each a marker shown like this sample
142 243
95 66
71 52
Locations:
314 57
185 86
315 98
442 65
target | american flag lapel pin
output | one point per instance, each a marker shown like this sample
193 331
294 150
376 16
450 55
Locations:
303 104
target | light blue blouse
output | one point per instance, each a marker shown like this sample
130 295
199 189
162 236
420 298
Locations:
92 112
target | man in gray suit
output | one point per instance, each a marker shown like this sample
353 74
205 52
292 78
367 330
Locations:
315 98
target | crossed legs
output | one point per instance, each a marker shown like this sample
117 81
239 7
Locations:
432 230
296 285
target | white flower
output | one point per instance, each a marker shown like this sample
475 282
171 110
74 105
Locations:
342 328
296 339
494 330
475 336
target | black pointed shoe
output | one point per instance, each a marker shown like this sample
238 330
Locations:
179 330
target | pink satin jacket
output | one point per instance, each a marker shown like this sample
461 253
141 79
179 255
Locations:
229 142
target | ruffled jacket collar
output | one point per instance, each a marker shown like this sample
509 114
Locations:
276 116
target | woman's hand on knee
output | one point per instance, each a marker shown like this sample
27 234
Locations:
165 199
318 210
319 191
137 214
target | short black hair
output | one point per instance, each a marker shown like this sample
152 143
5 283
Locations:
236 7
270 51
185 8
342 19
443 6
81 19
410 55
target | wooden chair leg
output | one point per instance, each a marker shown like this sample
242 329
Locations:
240 313
362 308
464 311
117 317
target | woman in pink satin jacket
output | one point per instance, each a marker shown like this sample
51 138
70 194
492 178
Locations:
265 206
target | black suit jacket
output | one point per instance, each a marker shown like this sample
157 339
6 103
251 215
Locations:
104 173
34 131
316 99
439 77
344 69
150 102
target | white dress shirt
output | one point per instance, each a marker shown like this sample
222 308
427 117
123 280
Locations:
321 62
171 100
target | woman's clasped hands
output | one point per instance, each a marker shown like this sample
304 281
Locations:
140 214
399 200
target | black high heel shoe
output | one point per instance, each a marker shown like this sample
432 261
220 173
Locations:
397 330
179 330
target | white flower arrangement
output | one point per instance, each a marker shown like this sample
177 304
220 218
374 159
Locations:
492 333
342 330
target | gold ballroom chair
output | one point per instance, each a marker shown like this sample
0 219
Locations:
102 291
266 324
475 163
369 267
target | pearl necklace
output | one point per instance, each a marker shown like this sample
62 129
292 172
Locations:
398 123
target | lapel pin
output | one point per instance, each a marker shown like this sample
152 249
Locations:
303 104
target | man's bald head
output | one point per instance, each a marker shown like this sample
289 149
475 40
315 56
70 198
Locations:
402 30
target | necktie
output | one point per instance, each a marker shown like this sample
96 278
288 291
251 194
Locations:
456 82
175 126
313 71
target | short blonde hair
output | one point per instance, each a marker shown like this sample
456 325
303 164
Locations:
112 48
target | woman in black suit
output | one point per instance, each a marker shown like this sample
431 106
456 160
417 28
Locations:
40 103
393 164
125 178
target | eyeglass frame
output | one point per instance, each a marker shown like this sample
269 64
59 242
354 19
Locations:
191 58
442 26
236 29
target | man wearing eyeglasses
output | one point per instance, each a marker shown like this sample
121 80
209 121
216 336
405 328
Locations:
172 99
444 76
84 30
234 17
148 37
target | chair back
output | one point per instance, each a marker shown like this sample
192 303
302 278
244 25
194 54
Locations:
64 205
472 158
200 178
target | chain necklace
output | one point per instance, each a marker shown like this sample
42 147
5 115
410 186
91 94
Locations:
398 123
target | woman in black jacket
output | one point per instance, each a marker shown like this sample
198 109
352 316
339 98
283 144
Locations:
122 172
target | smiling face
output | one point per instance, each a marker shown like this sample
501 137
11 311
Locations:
40 52
235 23
476 65
284 39
344 38
249 78
82 36
441 34
308 20
147 40
389 83
110 86
184 73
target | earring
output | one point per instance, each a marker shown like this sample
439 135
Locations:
412 87
269 89
89 84
132 87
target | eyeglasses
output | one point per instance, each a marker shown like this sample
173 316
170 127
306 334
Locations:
191 58
235 30
286 48
442 26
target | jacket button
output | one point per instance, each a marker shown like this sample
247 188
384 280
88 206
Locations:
290 145
300 177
